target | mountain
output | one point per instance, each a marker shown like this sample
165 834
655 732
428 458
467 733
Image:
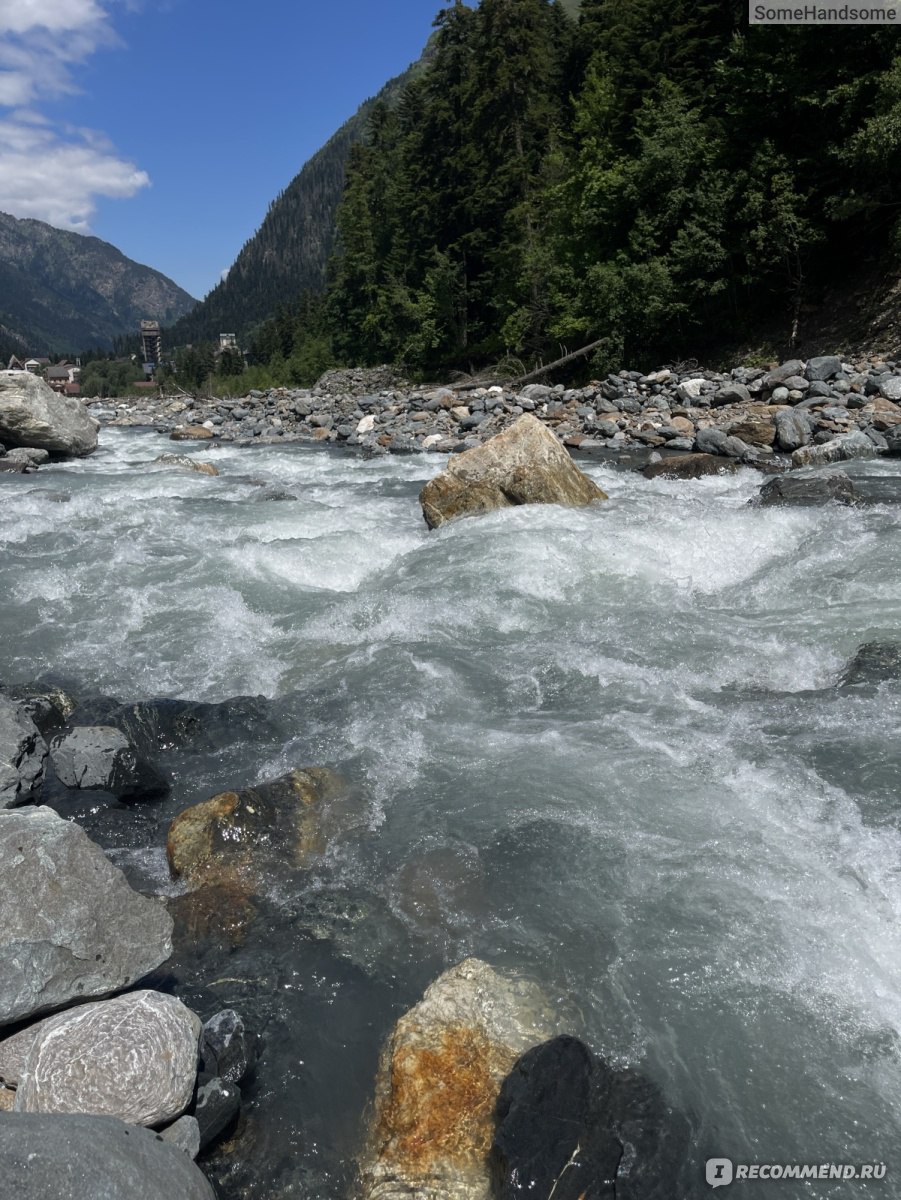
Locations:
289 253
62 291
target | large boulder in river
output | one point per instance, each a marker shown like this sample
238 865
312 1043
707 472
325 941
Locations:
438 1083
808 490
93 1158
525 464
688 466
132 1057
73 928
33 414
23 753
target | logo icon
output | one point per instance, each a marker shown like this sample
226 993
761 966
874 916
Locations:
719 1171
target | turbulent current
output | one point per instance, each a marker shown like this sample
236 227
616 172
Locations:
605 748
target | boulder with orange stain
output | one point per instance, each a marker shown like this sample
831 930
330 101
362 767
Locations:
438 1083
227 848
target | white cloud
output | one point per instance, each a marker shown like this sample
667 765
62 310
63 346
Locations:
55 175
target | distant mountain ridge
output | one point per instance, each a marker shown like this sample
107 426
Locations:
289 253
62 291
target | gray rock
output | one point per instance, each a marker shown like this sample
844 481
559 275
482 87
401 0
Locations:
780 374
796 383
184 1135
890 387
711 441
845 446
132 1057
732 393
825 366
93 1158
893 442
30 455
32 414
23 753
792 430
76 928
820 389
808 491
690 389
780 395
46 705
101 757
217 1106
227 1048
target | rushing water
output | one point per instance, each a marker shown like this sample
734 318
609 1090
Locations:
603 747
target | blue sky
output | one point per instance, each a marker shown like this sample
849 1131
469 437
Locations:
168 127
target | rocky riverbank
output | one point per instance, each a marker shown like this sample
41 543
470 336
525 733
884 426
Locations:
799 413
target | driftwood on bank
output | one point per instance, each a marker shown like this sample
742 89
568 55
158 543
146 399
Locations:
520 380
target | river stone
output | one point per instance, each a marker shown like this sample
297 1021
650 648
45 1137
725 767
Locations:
890 387
218 1104
872 663
132 1057
710 440
100 757
23 753
183 460
52 1157
190 433
233 838
731 393
688 466
33 414
184 1135
438 1083
48 706
754 431
227 1049
822 367
792 429
845 446
76 928
808 491
30 455
525 464
784 372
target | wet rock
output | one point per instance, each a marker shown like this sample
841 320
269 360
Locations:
227 1048
132 1057
808 491
525 464
231 839
48 706
93 1158
101 757
76 929
438 1083
792 429
23 753
688 466
190 433
9 467
838 449
185 462
184 1135
873 663
218 1104
32 414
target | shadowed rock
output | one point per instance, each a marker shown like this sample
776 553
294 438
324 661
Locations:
438 1083
102 758
76 929
807 491
93 1158
525 464
132 1057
